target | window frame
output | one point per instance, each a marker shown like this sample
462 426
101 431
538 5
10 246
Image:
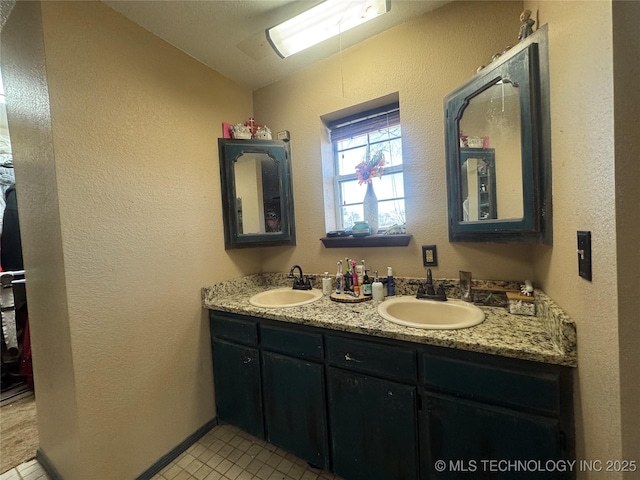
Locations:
365 123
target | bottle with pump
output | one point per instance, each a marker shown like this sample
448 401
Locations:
326 284
377 290
367 289
339 278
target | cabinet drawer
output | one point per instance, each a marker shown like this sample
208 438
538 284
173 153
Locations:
496 384
383 360
240 330
292 342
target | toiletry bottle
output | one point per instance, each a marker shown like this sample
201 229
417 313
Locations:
326 284
360 270
339 278
355 281
377 290
347 286
391 287
366 283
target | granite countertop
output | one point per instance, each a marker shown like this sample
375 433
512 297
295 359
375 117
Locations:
548 337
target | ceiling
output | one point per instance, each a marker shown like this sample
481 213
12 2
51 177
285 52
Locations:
229 35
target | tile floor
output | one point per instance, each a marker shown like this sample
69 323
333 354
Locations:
224 453
30 470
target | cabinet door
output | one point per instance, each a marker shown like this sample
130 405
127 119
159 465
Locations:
294 398
373 427
236 378
479 438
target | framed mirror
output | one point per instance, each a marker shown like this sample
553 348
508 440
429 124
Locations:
498 149
257 195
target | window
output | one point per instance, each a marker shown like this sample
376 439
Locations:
355 139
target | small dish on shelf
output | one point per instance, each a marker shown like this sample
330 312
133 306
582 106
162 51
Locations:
361 229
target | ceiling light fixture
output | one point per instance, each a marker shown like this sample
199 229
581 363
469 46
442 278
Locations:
321 22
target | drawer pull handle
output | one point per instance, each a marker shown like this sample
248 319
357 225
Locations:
247 360
348 358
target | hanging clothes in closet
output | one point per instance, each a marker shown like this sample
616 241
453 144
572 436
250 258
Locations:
15 352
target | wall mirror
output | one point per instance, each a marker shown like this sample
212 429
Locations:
257 195
498 149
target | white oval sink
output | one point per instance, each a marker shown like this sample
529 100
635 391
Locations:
285 297
430 314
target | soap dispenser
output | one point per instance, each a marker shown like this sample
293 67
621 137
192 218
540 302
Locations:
326 284
377 289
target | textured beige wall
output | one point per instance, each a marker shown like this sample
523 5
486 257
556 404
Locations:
423 60
626 68
23 71
122 227
595 189
581 84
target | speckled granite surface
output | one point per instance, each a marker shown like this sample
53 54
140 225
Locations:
549 337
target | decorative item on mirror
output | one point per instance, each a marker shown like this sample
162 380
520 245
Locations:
242 131
263 133
250 129
526 25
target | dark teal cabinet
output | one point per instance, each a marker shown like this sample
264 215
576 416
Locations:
475 437
372 408
482 415
237 386
378 409
373 427
294 407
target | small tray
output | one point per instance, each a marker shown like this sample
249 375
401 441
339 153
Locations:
344 298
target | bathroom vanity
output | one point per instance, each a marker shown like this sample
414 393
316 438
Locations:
347 391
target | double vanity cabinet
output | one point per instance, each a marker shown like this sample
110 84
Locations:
370 408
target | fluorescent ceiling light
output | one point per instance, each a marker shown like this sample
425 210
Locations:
321 22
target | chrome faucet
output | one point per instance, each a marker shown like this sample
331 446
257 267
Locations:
302 282
428 292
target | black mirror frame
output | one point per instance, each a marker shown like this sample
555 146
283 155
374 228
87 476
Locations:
525 65
229 152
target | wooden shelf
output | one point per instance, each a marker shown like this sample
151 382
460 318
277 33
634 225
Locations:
368 241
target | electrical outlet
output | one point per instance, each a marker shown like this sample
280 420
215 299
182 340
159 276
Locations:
584 255
429 256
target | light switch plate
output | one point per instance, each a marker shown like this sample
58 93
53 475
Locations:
584 254
429 256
